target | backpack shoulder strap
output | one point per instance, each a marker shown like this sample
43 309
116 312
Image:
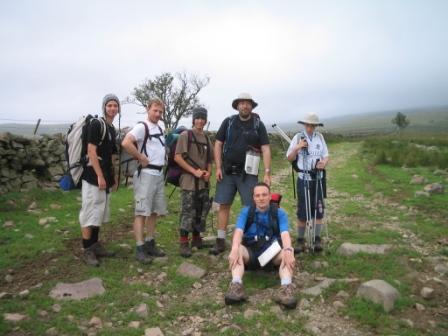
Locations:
145 138
273 214
250 218
103 129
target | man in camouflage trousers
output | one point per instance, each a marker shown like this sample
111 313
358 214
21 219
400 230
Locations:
194 155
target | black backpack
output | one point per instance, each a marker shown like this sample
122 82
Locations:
227 145
274 229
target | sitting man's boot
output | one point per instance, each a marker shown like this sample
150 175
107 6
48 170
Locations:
197 242
185 250
220 246
318 245
141 256
90 257
300 246
235 294
152 249
286 297
101 252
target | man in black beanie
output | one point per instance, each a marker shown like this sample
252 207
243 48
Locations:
194 153
98 178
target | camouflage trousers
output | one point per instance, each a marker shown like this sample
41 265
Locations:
195 206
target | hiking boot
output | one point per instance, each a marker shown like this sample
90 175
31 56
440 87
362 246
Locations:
141 256
185 250
318 245
285 297
101 252
220 246
197 242
151 248
90 257
235 294
300 246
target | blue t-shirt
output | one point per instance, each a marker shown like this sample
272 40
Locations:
263 222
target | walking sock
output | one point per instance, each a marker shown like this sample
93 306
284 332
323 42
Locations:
237 279
285 281
301 232
318 229
221 234
95 234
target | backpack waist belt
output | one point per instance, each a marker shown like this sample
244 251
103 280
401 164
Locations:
151 166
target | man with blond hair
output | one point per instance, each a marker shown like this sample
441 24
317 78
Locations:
146 143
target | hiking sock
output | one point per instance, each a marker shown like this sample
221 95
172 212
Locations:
139 243
95 234
183 236
237 279
196 235
318 229
285 281
221 234
301 232
86 243
149 238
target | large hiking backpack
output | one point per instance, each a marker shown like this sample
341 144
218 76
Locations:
76 150
274 205
131 164
227 144
173 170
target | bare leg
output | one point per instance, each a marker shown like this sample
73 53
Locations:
86 232
238 269
223 216
138 228
284 272
150 223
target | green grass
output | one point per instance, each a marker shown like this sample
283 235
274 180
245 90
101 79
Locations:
52 256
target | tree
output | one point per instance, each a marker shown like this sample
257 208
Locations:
179 93
401 121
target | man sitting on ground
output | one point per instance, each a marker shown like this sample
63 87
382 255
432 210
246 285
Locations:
257 228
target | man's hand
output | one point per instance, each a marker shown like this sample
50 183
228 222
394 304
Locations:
198 173
101 183
235 258
267 179
206 176
115 186
302 144
320 165
288 260
144 161
218 174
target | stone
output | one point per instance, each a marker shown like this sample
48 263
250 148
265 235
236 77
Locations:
32 206
96 322
442 269
14 317
141 310
9 278
420 193
338 304
42 313
419 307
434 188
153 332
317 290
134 324
418 179
46 220
52 332
24 294
5 295
348 249
427 293
8 224
342 294
55 206
380 292
78 291
319 264
250 313
56 308
407 322
29 236
190 270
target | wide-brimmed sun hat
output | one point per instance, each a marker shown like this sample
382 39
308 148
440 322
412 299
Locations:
311 119
242 97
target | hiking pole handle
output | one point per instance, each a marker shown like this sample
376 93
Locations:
281 133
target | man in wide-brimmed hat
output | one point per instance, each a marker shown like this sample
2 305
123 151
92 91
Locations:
241 141
309 154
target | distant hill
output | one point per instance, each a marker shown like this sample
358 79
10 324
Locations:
421 120
28 129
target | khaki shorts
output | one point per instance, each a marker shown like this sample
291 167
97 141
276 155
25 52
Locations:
95 205
149 194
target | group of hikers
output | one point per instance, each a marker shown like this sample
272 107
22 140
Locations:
261 237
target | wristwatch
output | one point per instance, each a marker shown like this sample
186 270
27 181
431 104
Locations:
289 249
267 171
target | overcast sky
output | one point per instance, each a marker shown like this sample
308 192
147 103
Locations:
59 58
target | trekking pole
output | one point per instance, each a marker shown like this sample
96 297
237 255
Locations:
308 223
281 133
323 202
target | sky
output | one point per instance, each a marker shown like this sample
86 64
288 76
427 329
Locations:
59 58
